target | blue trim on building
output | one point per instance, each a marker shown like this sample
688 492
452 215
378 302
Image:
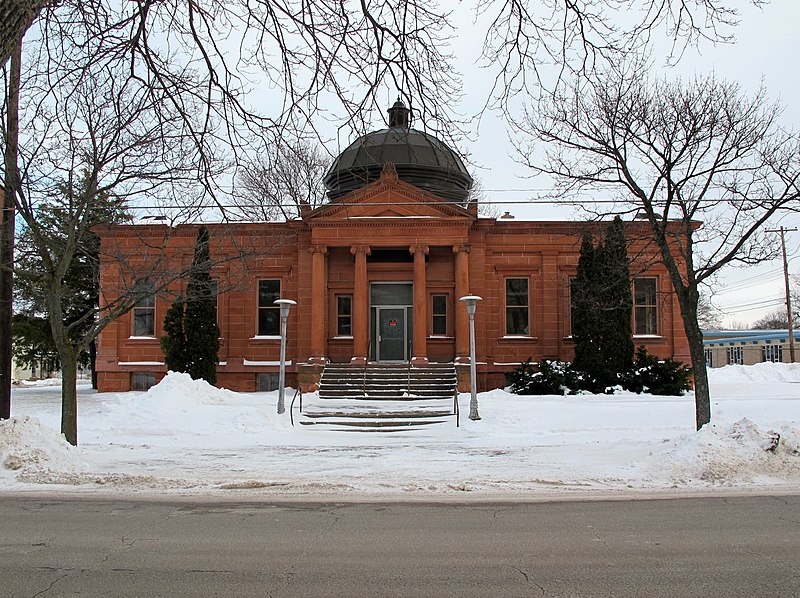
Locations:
729 337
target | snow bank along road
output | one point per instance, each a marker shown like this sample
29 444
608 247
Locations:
185 438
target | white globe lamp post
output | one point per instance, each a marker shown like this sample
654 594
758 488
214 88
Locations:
285 305
472 304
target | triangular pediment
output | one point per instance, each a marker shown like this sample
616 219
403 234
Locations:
390 214
388 198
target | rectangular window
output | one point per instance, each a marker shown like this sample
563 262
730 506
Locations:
215 294
267 382
269 314
439 315
571 305
142 382
735 356
344 315
144 312
773 353
645 306
517 306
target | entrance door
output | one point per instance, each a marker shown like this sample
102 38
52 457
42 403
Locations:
391 334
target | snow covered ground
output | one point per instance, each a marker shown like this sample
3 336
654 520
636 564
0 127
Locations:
184 437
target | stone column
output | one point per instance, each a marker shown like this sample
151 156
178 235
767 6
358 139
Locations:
420 345
462 289
360 305
319 296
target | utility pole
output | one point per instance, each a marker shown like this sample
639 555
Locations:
7 229
789 313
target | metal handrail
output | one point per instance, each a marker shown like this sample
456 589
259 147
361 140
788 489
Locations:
455 406
291 405
366 365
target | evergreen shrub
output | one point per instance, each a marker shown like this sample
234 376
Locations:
548 377
647 373
657 376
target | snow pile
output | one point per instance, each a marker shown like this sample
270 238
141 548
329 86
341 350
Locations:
732 454
178 390
25 444
186 436
42 382
760 372
175 404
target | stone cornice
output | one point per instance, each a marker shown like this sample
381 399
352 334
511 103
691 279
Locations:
218 230
391 222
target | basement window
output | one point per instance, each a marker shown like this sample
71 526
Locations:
142 381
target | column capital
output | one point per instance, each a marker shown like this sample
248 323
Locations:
356 249
463 248
323 249
424 249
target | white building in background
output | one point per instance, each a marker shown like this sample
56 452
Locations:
747 347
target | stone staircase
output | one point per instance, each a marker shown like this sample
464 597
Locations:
383 398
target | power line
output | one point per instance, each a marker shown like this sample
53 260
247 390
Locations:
756 279
520 202
751 305
748 309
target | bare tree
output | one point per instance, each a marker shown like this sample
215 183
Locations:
774 320
709 315
310 48
532 45
287 180
90 146
261 68
705 166
146 98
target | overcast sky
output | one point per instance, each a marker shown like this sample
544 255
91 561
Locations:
767 47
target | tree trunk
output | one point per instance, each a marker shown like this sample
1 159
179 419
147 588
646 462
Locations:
93 362
688 299
702 392
69 395
7 230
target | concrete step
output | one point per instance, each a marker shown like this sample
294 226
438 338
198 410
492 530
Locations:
361 390
383 398
353 380
376 425
375 415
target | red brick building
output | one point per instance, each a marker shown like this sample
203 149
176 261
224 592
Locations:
377 273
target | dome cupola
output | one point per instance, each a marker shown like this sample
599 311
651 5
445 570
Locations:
420 159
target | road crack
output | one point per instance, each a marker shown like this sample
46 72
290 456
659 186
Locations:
52 584
528 580
597 536
323 530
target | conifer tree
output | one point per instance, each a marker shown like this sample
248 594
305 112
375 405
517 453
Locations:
602 308
200 320
585 309
618 308
173 344
191 344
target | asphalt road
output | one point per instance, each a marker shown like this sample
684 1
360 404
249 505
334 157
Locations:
728 547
